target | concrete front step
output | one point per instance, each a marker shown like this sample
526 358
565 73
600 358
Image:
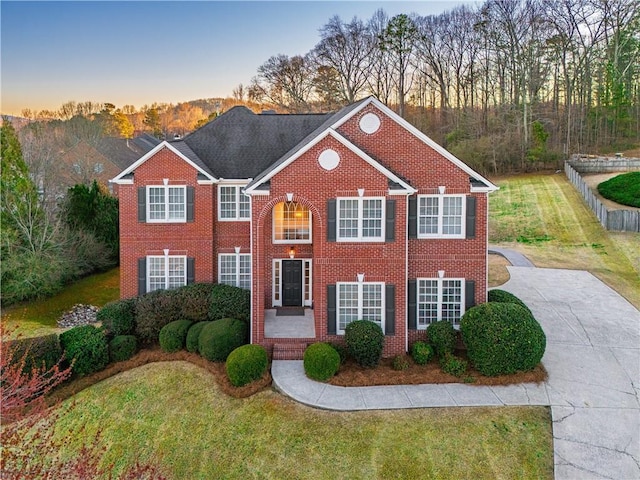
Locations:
288 351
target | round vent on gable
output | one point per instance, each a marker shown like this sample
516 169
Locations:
329 159
370 123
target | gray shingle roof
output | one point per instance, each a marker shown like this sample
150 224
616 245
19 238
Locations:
185 150
240 144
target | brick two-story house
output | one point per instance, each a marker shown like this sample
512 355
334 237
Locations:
349 215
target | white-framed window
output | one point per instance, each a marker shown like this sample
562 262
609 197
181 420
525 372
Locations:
166 271
439 299
360 219
291 223
235 269
232 203
441 216
359 301
166 203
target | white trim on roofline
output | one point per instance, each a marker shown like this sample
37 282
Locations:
386 172
119 180
407 126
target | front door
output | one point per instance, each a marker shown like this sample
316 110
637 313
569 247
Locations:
291 283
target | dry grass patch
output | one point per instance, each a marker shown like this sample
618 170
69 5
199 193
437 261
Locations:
545 218
175 415
498 273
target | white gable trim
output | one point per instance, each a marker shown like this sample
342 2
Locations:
407 126
330 132
119 178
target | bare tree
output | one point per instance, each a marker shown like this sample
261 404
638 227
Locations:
380 81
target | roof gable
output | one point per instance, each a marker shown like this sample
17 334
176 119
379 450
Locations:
181 151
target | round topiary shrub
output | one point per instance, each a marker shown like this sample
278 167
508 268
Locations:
173 335
119 317
218 339
442 336
502 338
246 364
321 361
122 348
86 347
422 352
193 335
365 342
502 296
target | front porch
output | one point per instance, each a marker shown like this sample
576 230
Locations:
287 325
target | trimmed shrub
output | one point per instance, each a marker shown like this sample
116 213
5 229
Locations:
453 365
442 336
154 310
365 342
321 361
193 335
195 301
502 296
623 189
218 339
422 352
400 363
36 351
342 351
122 348
230 302
502 338
246 364
86 347
173 335
119 317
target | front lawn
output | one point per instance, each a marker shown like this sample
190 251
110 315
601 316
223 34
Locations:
174 414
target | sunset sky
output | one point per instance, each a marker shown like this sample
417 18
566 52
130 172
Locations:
144 52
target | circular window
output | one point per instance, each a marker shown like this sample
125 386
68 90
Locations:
369 123
329 159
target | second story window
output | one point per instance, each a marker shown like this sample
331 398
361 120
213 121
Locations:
166 203
232 203
360 219
291 223
441 216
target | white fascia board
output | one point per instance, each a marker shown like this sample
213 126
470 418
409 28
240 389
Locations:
347 144
407 126
234 181
256 192
402 192
484 189
151 153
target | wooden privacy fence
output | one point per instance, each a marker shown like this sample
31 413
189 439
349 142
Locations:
616 220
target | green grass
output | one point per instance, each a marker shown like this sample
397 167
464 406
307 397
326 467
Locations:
39 317
174 415
544 217
623 189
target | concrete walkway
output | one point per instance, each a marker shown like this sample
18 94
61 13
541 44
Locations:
593 361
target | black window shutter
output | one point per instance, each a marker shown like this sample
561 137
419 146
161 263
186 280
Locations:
471 217
390 226
191 270
411 304
142 275
331 220
469 294
413 217
142 204
331 309
190 201
390 310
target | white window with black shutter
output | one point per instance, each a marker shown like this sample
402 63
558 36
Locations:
434 299
163 272
442 216
166 204
361 219
349 301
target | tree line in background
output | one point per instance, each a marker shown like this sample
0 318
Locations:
507 85
45 245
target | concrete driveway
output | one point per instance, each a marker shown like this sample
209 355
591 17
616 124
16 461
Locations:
593 361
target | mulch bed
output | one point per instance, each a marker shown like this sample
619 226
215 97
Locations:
349 375
353 375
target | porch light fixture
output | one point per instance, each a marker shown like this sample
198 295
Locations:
292 252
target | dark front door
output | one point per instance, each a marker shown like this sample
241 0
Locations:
291 283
